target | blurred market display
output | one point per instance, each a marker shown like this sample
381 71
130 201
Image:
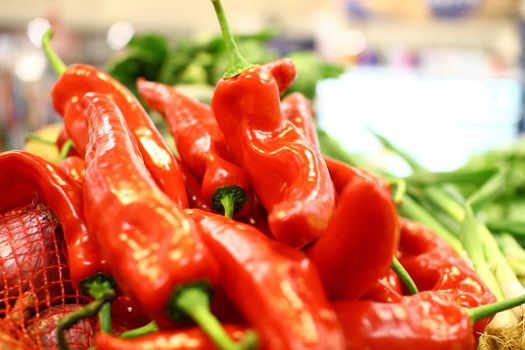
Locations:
447 73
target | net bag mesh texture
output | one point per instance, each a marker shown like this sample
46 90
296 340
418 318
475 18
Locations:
35 287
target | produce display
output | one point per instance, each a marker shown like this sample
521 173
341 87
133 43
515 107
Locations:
258 232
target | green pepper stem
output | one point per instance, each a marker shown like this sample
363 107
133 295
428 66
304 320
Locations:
404 276
66 147
39 139
195 303
236 62
410 208
138 332
228 203
87 311
483 311
228 199
56 62
97 288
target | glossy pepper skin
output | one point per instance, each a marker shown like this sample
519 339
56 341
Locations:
284 72
434 265
428 320
286 171
361 239
387 289
74 167
297 108
79 79
150 245
24 176
276 287
184 339
199 141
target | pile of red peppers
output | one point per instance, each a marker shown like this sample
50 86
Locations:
247 237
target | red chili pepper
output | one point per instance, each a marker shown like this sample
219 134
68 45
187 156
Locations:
387 289
434 265
153 249
185 339
62 141
201 145
276 287
193 188
297 108
24 176
284 72
361 239
287 173
78 79
427 320
74 167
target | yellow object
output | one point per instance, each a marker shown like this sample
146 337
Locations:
47 151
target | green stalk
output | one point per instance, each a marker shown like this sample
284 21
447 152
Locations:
236 62
455 177
87 311
228 199
38 139
474 246
513 252
480 312
66 147
416 167
508 282
488 192
411 209
138 332
56 62
515 228
404 276
193 301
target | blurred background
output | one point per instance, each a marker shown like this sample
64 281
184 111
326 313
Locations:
443 79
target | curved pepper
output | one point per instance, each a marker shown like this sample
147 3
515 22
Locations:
24 176
276 287
287 173
297 108
387 289
74 167
427 320
361 239
284 72
201 146
153 249
185 339
78 79
434 265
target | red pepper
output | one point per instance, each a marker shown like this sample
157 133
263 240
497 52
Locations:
74 167
286 171
193 188
284 72
186 339
62 141
297 108
276 287
360 242
428 321
24 176
387 289
152 247
78 79
434 265
202 147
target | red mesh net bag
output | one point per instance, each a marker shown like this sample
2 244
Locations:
35 288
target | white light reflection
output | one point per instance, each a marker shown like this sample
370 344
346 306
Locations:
119 34
31 66
36 29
